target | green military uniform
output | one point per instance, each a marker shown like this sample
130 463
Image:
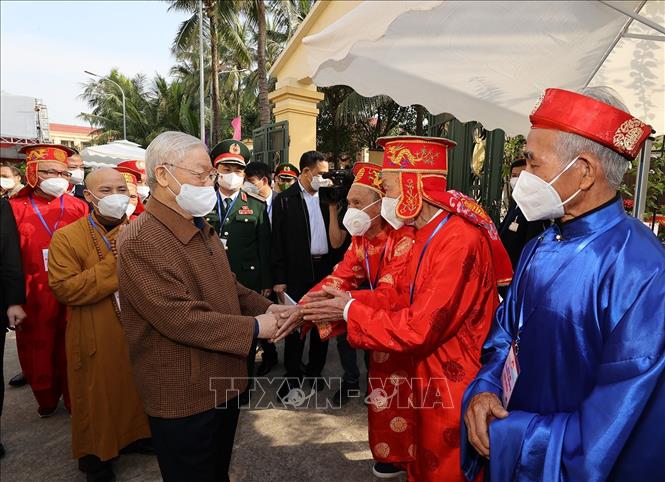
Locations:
246 229
246 234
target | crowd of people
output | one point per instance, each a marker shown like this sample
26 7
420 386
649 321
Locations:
534 351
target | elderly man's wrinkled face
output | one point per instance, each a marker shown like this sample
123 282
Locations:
194 169
391 184
365 199
542 160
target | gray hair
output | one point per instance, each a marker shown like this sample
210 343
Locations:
571 145
168 147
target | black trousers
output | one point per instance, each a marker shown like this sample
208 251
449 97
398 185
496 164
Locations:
3 334
293 345
196 448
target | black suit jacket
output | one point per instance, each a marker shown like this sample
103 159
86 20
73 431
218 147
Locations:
12 282
291 257
515 240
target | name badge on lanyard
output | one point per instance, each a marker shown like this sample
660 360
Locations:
511 370
45 257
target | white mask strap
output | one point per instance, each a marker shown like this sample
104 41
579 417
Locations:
564 170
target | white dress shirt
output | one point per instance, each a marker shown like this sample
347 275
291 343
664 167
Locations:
317 227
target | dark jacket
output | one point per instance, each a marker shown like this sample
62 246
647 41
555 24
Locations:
12 281
291 257
515 238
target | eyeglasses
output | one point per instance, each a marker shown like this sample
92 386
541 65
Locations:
210 176
54 173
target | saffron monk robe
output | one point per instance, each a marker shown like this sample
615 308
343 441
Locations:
40 209
377 256
442 313
107 413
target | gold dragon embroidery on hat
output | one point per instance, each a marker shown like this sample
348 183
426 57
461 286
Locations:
400 155
628 134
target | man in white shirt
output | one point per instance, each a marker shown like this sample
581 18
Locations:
302 255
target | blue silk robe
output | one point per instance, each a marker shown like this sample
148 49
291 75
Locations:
589 402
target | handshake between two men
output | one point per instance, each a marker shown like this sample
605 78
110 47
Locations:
279 321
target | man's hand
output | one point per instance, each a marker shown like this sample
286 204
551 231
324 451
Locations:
483 409
327 310
288 325
267 325
279 291
16 315
315 296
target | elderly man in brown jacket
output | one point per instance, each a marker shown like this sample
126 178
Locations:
188 322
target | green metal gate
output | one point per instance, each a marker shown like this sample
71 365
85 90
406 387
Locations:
271 143
485 188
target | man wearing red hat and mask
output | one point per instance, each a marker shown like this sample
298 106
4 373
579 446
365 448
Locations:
377 257
40 208
136 169
441 314
572 386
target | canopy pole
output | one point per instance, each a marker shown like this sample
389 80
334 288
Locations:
635 16
641 183
612 45
638 36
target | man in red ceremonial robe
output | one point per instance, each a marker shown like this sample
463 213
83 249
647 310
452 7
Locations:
40 208
377 256
442 313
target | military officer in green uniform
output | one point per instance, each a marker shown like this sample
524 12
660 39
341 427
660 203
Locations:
241 219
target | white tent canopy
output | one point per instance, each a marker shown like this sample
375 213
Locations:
490 60
111 154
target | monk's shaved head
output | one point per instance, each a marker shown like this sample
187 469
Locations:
105 175
104 182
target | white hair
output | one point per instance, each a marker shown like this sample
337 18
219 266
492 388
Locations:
168 147
571 145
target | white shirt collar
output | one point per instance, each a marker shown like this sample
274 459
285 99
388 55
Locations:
302 188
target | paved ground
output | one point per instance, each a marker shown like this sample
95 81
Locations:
271 444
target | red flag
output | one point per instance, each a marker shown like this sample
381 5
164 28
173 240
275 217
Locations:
237 126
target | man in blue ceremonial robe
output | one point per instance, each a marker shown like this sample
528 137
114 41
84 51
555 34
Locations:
572 386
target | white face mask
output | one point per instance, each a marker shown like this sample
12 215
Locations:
130 209
77 176
513 182
250 188
357 221
318 182
231 181
144 192
55 186
196 200
537 199
389 212
113 206
7 183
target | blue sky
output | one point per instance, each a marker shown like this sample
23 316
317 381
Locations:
46 46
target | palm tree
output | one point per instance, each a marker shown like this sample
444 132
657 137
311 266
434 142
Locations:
217 13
